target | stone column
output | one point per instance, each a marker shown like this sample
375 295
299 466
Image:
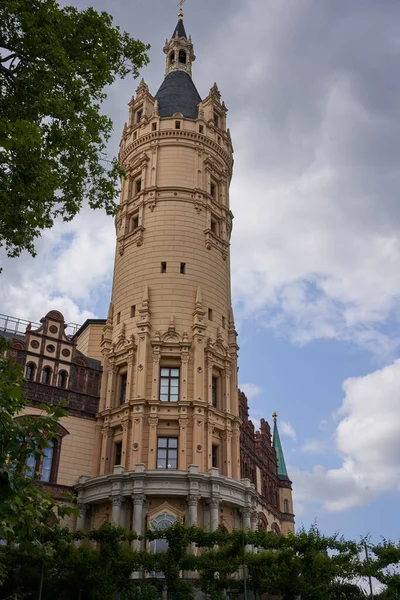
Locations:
81 519
214 513
125 454
210 432
117 502
107 434
183 425
152 458
192 501
246 524
139 501
254 523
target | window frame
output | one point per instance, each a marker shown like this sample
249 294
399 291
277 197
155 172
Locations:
214 391
117 453
169 378
171 452
215 456
57 445
63 378
32 372
49 373
122 387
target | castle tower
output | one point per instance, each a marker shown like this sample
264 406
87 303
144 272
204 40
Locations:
285 485
168 427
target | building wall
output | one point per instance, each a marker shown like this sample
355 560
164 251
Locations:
89 340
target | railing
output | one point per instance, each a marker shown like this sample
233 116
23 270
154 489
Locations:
18 326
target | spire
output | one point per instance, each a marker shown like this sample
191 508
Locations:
178 94
282 471
179 30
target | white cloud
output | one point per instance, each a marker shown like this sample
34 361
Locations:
287 429
368 438
250 390
73 261
313 446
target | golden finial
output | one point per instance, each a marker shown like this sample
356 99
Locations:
180 13
274 416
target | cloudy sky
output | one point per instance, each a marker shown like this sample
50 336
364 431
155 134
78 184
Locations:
313 92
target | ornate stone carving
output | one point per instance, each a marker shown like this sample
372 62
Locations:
193 499
214 502
139 499
117 500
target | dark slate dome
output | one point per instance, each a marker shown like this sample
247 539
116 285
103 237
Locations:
178 94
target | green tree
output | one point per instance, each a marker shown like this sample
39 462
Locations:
26 509
55 64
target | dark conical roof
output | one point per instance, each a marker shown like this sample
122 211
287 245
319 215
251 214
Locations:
178 94
180 30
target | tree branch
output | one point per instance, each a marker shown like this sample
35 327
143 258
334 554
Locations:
9 57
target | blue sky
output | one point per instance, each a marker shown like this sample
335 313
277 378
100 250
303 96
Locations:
314 100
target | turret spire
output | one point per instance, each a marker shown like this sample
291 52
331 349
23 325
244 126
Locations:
282 471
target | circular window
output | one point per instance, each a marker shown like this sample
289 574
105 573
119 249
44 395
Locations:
199 448
50 348
66 352
135 446
53 329
35 344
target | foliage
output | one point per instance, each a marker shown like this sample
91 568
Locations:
26 509
385 568
309 564
55 64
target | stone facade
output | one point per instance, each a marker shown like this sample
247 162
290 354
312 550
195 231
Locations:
167 433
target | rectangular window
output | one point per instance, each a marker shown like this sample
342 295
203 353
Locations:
138 186
118 318
169 384
201 128
139 115
210 314
213 190
118 453
135 135
177 124
218 140
133 311
123 380
216 120
154 126
214 227
223 322
214 392
163 267
214 456
167 453
134 222
183 268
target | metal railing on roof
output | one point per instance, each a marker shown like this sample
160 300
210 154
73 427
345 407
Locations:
18 326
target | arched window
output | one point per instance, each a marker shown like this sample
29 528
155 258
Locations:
182 57
162 521
62 379
30 371
46 375
286 506
275 529
262 522
171 57
45 467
